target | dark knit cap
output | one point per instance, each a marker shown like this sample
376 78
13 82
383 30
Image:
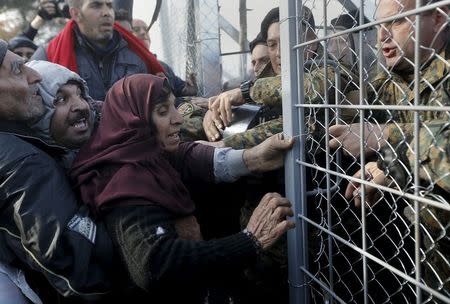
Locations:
349 20
3 49
21 41
274 16
258 40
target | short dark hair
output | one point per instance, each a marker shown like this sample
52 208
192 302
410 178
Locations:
257 41
272 16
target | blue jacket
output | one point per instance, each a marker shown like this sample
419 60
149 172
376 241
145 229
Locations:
101 71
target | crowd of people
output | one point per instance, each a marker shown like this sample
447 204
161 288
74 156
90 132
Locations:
106 155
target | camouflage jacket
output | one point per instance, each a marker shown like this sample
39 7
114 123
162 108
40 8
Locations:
192 127
267 91
433 155
434 151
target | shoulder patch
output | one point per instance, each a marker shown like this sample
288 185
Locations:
186 109
84 226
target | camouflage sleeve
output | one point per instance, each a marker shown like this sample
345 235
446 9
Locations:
255 136
434 153
400 132
267 90
434 149
192 127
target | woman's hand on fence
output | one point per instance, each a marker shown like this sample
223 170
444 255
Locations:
268 155
268 221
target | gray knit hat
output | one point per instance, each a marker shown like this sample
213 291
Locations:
3 49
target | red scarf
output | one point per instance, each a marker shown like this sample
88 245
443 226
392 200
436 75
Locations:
57 50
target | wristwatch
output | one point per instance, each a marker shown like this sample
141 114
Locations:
245 90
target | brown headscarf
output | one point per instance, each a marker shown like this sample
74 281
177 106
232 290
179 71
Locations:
122 163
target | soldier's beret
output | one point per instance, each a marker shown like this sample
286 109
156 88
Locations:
274 16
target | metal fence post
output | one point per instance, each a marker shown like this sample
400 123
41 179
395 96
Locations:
293 124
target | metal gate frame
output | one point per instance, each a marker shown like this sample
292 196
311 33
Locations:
300 277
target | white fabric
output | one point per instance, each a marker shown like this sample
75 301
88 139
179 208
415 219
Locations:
14 289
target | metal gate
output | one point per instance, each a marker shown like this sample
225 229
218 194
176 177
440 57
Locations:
381 139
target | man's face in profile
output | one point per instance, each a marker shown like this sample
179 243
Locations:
19 93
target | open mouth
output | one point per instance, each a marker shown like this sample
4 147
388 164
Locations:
388 52
174 136
80 124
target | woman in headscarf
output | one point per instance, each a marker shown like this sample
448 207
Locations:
132 173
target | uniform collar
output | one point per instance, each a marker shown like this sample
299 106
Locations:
432 71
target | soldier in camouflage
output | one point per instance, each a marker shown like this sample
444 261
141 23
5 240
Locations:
393 141
194 109
267 91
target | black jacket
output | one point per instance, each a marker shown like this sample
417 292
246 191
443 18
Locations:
42 227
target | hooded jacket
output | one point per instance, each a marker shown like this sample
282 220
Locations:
55 77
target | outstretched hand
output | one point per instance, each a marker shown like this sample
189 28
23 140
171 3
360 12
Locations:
268 155
268 221
372 194
348 137
212 132
221 107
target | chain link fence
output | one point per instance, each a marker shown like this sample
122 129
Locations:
369 176
190 31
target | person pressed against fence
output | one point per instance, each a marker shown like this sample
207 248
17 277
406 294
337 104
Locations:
393 142
36 194
132 173
396 40
65 100
267 91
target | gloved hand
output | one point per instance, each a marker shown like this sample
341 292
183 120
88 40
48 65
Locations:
48 10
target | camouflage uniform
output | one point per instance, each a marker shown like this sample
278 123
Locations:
267 91
434 158
192 127
270 273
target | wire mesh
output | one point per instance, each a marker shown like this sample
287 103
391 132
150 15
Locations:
373 98
190 30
